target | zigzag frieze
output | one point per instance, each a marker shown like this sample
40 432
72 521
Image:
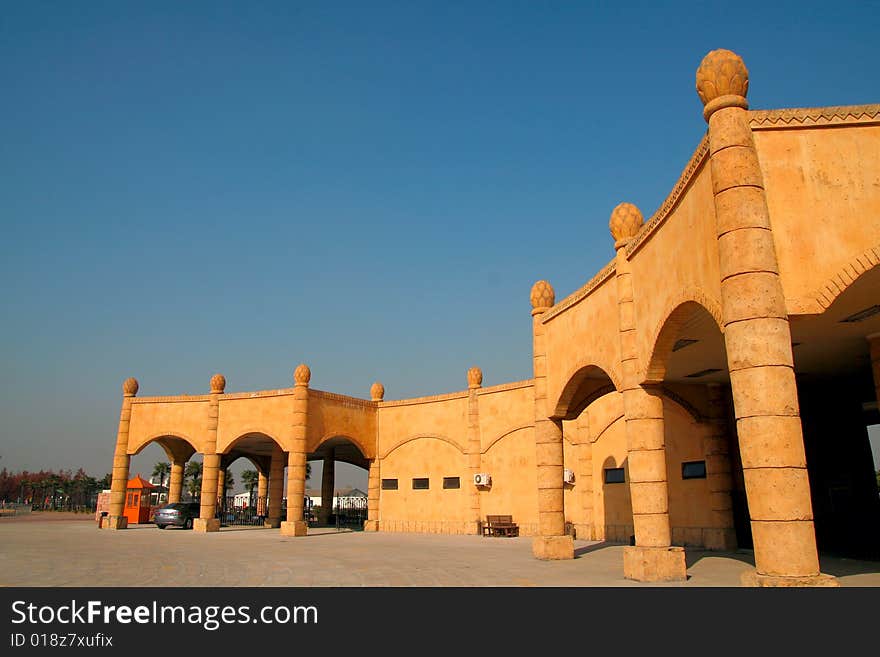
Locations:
809 116
502 387
697 159
342 399
581 294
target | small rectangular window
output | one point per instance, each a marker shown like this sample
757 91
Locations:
693 470
614 476
451 482
420 483
389 484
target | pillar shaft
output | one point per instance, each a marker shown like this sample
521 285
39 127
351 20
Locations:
584 475
328 486
874 346
221 486
210 466
645 438
548 444
119 481
719 475
175 483
296 460
474 458
373 482
276 487
758 342
262 492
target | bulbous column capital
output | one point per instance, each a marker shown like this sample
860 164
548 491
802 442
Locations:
722 81
626 221
218 384
130 387
475 377
377 392
302 375
542 297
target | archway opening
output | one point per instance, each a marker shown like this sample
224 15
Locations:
336 484
837 395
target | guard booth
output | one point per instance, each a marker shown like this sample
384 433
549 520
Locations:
137 500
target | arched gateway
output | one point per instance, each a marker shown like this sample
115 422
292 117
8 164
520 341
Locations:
708 388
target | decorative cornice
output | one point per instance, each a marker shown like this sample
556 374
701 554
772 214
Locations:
697 159
581 294
425 400
342 399
173 398
503 387
813 116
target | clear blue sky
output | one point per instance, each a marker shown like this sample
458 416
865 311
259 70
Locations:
370 188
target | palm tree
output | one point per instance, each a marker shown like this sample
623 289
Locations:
161 470
193 475
308 471
250 478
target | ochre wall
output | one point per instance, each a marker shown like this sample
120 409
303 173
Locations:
242 415
335 415
436 510
677 262
151 419
585 334
823 193
511 463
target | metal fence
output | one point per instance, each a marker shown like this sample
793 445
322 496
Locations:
252 513
9 509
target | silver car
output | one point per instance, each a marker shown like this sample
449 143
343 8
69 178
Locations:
179 514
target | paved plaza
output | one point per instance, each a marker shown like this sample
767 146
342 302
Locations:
66 550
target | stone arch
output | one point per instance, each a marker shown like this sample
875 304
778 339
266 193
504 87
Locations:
505 434
846 276
357 442
175 444
677 314
410 439
248 433
583 384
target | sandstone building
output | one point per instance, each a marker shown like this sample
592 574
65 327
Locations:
709 387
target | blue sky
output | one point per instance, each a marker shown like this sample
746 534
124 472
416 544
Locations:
370 188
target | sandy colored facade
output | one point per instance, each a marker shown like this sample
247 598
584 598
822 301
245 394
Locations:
710 387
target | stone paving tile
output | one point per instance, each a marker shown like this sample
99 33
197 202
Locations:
76 553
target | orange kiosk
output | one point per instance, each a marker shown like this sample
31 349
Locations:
137 500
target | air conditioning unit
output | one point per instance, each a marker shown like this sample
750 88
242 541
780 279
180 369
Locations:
482 479
568 476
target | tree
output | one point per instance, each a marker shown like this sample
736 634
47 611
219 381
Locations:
308 471
250 478
161 470
193 476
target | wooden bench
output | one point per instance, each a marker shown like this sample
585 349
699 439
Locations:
500 526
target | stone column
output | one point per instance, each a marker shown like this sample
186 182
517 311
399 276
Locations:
276 488
262 491
718 473
475 382
328 486
119 482
757 338
584 476
874 346
175 484
207 520
296 459
652 558
371 524
552 542
221 486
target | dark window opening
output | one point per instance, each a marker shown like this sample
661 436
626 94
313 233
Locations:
389 484
451 482
420 483
614 476
693 470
